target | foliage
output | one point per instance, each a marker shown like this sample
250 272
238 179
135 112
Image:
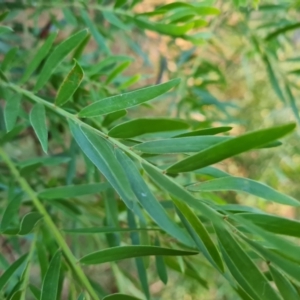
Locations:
94 171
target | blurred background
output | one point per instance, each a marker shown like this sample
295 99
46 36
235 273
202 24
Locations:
239 67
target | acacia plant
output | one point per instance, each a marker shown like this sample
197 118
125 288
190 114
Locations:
89 179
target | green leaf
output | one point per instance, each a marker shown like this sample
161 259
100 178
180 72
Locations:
180 145
69 86
281 30
38 57
11 270
35 292
11 110
123 252
199 234
5 29
212 171
130 99
148 200
290 268
112 117
284 286
3 15
167 29
205 131
118 70
93 230
249 186
231 148
160 265
113 19
249 271
94 31
201 10
28 222
120 297
57 56
11 211
178 192
101 153
71 191
51 279
138 127
9 58
274 224
292 101
38 122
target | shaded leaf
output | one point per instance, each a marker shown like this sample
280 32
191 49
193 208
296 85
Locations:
160 265
284 286
119 297
11 270
130 99
9 58
93 230
51 279
254 278
205 131
11 211
38 122
38 57
69 85
119 253
11 110
57 56
112 117
71 191
148 200
100 152
199 234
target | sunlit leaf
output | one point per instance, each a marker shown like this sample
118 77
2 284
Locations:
231 183
231 148
130 99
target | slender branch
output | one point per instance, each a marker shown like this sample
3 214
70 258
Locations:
47 219
74 118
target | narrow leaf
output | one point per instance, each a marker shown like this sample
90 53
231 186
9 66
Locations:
138 127
160 265
9 58
130 99
38 122
11 111
97 230
29 221
69 85
57 56
120 297
71 191
11 211
118 253
148 200
231 148
38 57
51 279
112 117
200 235
274 224
284 286
11 270
252 275
180 145
206 131
100 152
249 186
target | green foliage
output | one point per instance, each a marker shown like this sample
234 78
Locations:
126 175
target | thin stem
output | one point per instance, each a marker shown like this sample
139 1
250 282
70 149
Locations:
47 219
74 118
